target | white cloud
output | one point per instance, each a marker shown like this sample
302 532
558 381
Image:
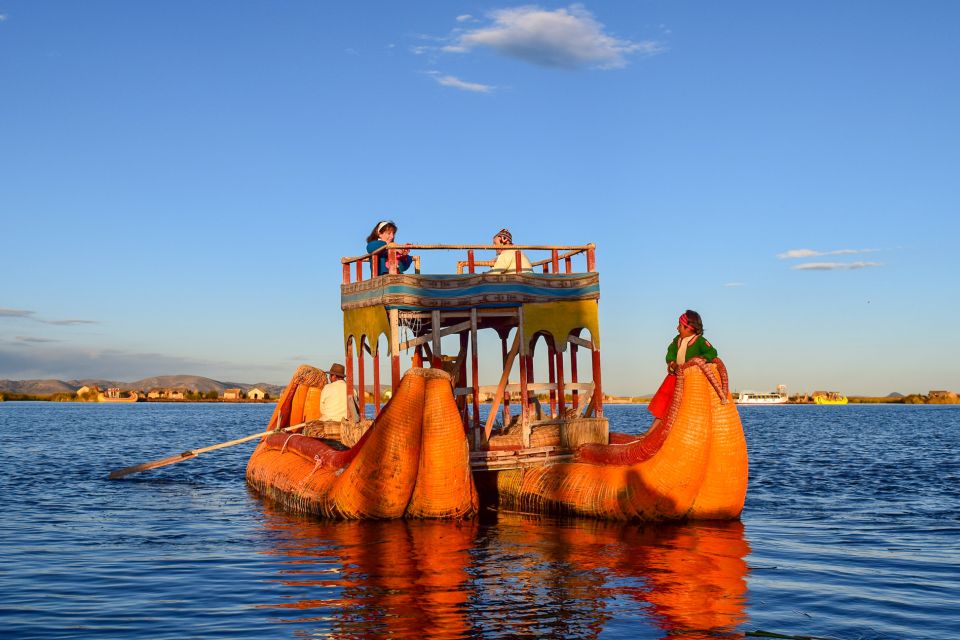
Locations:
829 266
30 315
15 313
465 18
463 85
3 17
33 339
812 253
566 38
733 284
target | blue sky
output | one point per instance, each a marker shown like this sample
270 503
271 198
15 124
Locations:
178 180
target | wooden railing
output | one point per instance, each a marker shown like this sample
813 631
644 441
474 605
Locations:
551 265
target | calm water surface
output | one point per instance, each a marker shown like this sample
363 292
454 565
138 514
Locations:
851 530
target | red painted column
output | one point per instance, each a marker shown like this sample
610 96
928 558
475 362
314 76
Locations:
597 384
359 270
524 399
471 267
591 259
568 264
555 259
349 363
361 387
346 273
551 368
573 375
418 358
394 373
561 400
376 379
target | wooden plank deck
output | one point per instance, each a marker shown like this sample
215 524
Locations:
518 459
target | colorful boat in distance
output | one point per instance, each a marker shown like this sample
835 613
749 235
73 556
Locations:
544 446
829 397
755 397
115 395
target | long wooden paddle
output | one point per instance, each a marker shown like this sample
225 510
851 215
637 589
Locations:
192 453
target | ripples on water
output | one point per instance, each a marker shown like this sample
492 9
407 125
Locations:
850 531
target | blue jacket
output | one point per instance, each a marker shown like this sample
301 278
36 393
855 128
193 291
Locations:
403 262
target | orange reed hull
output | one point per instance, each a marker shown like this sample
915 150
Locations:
692 467
413 461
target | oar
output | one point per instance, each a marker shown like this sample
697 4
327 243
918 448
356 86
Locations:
192 453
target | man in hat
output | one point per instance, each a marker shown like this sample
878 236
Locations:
333 398
507 258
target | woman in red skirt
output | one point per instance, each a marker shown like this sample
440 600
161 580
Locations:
688 344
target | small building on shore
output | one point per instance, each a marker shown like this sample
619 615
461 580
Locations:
256 394
232 394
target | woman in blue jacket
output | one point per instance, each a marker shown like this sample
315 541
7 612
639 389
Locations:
383 234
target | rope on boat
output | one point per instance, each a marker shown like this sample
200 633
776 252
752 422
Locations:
284 447
316 466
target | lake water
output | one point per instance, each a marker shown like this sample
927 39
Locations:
851 530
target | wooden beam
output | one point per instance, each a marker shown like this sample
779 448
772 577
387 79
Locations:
504 377
580 342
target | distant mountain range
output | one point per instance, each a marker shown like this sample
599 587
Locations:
190 383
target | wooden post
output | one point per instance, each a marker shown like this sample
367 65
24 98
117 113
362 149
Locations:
552 372
555 259
376 379
546 267
561 400
462 381
394 351
573 374
475 366
501 387
506 397
346 273
568 264
392 261
471 266
524 364
591 258
375 266
517 261
436 360
349 363
361 387
418 357
359 270
597 386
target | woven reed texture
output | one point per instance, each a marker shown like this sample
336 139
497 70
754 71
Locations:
697 471
412 461
444 486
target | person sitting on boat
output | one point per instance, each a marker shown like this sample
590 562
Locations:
688 344
333 398
383 234
507 258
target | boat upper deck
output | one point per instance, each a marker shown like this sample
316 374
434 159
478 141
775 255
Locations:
556 273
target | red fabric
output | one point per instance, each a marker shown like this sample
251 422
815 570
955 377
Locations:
660 403
684 321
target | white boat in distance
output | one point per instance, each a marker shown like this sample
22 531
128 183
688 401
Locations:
753 397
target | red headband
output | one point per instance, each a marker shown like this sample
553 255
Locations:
684 321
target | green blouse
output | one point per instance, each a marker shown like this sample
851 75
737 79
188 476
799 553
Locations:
700 347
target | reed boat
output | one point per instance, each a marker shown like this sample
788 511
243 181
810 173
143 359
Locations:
115 395
543 447
829 397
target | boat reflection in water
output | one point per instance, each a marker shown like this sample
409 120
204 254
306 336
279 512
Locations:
512 576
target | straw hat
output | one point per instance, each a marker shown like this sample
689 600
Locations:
336 369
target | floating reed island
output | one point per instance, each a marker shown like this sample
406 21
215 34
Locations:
428 454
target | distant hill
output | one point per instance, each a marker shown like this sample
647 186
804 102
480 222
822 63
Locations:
895 395
190 383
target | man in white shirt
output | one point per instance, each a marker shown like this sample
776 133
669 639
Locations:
507 258
333 398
